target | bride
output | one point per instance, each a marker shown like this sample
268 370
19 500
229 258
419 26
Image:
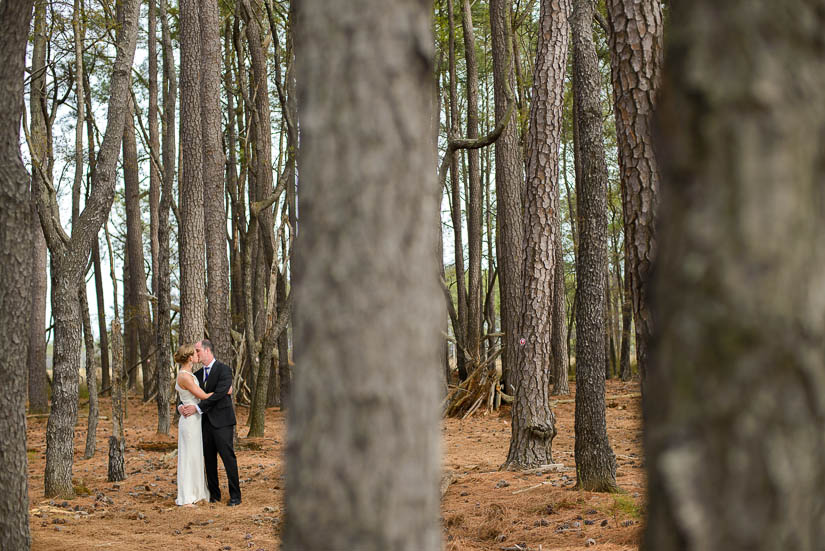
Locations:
191 474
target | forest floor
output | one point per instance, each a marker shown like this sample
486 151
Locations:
482 508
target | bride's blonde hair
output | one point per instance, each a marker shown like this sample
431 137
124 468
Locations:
185 351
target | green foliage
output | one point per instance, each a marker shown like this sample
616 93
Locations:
622 505
80 488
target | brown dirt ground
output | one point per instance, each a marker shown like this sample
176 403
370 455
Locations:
483 508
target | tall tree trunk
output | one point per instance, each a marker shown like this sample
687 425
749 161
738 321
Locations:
233 182
78 30
595 461
573 214
214 209
490 296
472 339
263 238
154 167
192 241
735 390
268 343
16 271
284 372
558 337
534 425
455 211
131 339
91 376
160 380
636 29
69 258
383 290
509 190
38 381
625 370
101 319
164 285
98 273
117 442
136 311
284 369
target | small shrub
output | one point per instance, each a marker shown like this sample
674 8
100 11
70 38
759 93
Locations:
624 505
80 487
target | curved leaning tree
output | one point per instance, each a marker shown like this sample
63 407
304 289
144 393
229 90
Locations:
69 255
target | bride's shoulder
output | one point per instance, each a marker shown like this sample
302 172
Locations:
181 377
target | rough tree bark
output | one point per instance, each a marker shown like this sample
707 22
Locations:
459 328
509 189
636 28
39 146
192 240
233 112
154 151
163 337
214 205
533 422
15 273
117 442
558 338
136 311
472 337
277 393
364 456
91 376
261 185
595 461
103 331
625 369
91 132
736 387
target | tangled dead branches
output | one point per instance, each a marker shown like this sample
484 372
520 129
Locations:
482 386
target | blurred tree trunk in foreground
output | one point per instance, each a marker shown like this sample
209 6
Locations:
369 311
736 392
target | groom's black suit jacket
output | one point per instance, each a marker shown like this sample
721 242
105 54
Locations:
218 407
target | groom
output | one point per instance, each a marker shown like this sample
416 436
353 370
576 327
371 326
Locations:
218 422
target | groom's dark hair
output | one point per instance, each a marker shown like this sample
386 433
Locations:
206 343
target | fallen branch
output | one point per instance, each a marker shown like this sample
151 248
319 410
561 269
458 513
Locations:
539 485
548 468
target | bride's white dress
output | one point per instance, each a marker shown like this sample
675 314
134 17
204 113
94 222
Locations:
191 473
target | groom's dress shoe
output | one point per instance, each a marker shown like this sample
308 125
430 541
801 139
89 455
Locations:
213 500
233 502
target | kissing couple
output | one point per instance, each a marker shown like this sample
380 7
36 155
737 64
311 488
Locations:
206 426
